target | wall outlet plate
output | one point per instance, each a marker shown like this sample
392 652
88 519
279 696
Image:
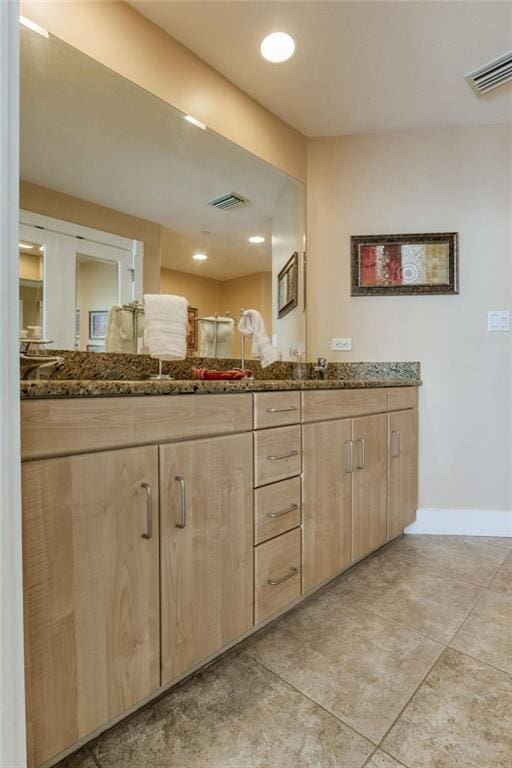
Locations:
341 345
498 320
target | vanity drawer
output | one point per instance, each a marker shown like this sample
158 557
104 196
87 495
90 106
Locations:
400 398
275 409
277 509
320 405
277 574
277 454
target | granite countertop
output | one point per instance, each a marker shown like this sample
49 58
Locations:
51 388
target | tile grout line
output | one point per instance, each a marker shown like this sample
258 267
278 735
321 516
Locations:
480 661
313 701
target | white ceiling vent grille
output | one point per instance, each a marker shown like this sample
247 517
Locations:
491 75
225 202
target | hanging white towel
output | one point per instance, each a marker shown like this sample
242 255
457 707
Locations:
119 336
165 326
251 324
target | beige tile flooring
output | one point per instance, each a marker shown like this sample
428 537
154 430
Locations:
405 661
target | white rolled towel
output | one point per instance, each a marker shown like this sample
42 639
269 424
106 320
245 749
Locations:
165 326
251 324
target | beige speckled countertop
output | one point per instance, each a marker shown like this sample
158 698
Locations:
103 388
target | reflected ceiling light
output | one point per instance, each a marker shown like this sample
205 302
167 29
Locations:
277 47
195 121
34 27
25 245
256 239
200 256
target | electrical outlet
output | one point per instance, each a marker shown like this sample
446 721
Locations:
341 345
498 320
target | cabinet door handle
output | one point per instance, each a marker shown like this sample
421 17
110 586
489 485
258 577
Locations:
183 502
275 582
362 463
282 410
349 466
395 453
291 508
149 511
284 456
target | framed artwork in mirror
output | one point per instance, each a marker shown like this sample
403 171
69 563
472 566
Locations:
388 265
192 329
288 286
98 323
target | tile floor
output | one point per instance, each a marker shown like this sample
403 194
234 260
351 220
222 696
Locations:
405 661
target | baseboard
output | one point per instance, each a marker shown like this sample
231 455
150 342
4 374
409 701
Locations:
463 522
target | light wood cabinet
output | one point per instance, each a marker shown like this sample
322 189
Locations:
277 454
326 500
91 592
277 574
206 548
402 470
369 484
277 508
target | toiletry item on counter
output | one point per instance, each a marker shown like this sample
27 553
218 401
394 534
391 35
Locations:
251 324
166 326
235 374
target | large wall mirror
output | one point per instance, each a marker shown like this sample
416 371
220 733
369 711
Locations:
121 195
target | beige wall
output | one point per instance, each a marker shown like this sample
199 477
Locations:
210 296
48 202
425 181
116 35
96 289
31 266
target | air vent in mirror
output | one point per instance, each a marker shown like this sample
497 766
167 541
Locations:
224 202
491 75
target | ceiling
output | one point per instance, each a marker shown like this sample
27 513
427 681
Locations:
359 67
90 133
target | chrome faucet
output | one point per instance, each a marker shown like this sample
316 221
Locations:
321 367
34 357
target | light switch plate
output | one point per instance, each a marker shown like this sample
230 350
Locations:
498 320
341 345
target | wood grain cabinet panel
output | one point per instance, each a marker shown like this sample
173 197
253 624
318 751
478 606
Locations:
277 454
91 593
277 574
206 548
402 470
322 404
326 501
276 409
277 508
369 484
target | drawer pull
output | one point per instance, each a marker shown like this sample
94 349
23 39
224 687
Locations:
183 491
275 582
291 508
395 454
282 410
349 452
149 511
362 463
283 456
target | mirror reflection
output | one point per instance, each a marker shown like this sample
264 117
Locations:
126 196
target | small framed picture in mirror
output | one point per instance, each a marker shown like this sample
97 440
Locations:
288 286
192 330
98 323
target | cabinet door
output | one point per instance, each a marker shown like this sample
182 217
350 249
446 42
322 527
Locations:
402 470
369 484
91 592
326 500
206 548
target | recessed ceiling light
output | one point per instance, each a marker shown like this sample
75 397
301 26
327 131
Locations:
34 27
257 239
195 121
277 47
200 256
25 245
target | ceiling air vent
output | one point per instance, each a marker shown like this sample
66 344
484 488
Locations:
224 202
491 75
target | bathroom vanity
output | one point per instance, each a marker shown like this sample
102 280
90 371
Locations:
160 529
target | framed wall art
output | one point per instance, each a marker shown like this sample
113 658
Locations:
387 265
288 286
98 323
192 330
